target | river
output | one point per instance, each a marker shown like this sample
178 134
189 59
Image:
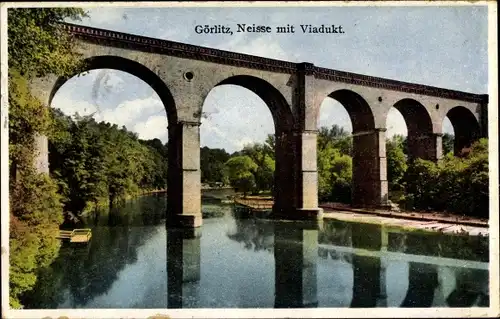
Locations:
133 261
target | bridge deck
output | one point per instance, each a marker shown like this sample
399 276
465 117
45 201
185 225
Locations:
194 52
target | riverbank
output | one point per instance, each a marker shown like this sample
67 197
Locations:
399 222
425 221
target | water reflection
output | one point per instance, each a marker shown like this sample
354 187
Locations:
133 261
183 268
424 277
295 257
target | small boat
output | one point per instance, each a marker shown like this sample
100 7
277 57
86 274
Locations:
81 235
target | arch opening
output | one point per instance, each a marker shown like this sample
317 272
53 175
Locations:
261 139
115 136
420 140
465 127
277 104
347 163
131 67
396 148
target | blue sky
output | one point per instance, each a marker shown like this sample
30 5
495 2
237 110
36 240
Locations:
439 46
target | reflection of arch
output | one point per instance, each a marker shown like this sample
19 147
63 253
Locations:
366 281
422 283
358 109
281 112
465 126
131 67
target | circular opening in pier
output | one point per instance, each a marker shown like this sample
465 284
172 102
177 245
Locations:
189 75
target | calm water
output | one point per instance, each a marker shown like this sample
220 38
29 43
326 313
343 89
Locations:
134 262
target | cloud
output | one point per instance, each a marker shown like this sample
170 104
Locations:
106 16
235 116
69 106
128 113
396 124
145 116
154 127
333 113
260 46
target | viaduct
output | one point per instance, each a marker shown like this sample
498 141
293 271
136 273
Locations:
183 75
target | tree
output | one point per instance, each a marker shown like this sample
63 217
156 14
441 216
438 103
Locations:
241 171
212 163
396 162
38 45
455 184
264 176
334 174
337 137
448 143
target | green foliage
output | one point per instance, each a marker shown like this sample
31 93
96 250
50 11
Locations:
27 115
264 176
98 162
448 143
263 156
262 169
35 213
396 162
458 185
241 171
334 175
334 165
212 163
336 137
37 44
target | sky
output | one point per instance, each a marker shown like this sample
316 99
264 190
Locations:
438 46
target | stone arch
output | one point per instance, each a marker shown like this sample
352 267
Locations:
421 138
176 200
369 183
465 126
131 67
276 102
359 111
416 116
286 157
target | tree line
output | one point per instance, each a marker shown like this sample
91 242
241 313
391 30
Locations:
99 163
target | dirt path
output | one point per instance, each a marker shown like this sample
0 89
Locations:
419 216
406 223
428 221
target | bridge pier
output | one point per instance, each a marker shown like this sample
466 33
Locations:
370 186
184 176
296 177
425 145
